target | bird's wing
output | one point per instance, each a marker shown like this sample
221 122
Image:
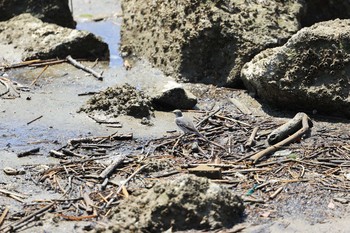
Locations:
186 125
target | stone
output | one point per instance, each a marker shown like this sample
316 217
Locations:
164 92
187 202
205 41
53 11
171 96
25 37
310 72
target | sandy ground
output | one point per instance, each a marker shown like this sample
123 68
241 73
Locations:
55 98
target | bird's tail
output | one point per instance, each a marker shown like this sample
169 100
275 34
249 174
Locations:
202 136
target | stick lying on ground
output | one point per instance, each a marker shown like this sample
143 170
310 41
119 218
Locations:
8 84
35 63
17 225
251 141
291 138
28 152
287 129
110 169
81 66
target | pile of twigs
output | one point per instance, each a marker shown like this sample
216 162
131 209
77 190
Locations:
95 173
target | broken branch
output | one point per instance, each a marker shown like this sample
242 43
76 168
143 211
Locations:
86 69
291 138
287 129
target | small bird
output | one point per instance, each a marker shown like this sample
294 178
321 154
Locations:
186 125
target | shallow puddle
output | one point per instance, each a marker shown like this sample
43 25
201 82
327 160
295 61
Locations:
109 30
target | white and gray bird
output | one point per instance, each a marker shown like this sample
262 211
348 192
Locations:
186 125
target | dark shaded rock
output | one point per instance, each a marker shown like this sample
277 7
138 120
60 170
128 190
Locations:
164 92
310 72
118 100
206 41
189 202
53 11
25 37
171 96
323 10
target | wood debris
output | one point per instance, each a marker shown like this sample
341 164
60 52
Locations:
95 173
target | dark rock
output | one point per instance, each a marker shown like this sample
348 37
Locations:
164 92
172 95
53 11
323 10
188 202
25 37
206 41
310 72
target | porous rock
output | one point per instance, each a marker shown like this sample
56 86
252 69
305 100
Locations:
310 72
53 11
118 100
188 202
29 38
205 41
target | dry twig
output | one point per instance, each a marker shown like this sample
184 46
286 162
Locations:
86 69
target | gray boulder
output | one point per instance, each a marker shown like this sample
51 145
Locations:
310 72
25 37
53 11
206 41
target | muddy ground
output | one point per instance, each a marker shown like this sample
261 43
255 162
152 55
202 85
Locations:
55 98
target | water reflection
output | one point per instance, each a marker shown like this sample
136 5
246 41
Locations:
110 32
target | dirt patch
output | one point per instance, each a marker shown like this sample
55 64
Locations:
118 100
189 202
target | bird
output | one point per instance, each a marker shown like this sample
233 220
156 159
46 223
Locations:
186 125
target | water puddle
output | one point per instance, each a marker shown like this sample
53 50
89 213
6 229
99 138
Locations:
55 97
109 30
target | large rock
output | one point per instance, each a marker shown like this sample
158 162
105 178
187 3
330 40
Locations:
188 202
53 11
25 37
310 72
206 41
